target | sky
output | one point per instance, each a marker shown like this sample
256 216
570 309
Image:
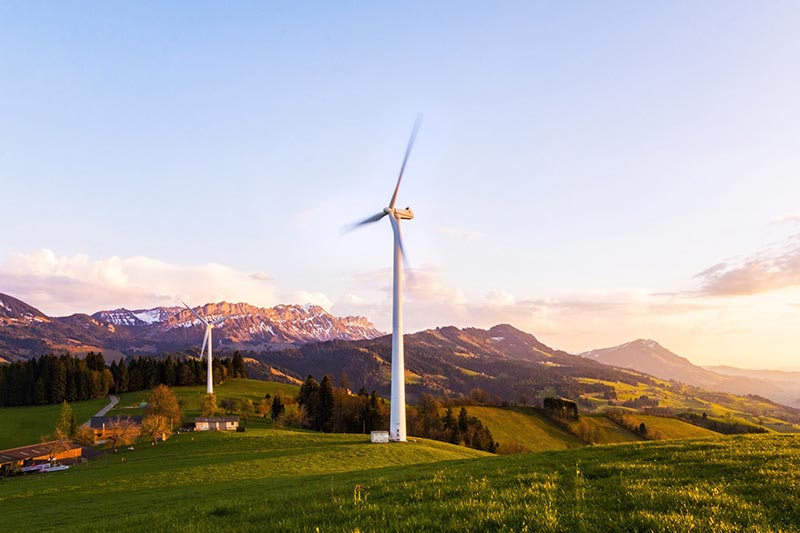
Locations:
589 172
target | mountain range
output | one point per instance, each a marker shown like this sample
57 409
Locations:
291 341
27 332
645 355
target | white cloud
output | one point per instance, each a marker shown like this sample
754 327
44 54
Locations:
790 218
775 267
61 285
315 298
261 276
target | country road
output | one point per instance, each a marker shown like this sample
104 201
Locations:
112 401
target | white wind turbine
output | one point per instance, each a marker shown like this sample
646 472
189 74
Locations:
397 423
207 341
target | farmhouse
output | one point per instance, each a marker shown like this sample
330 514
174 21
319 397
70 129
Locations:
216 423
16 458
102 425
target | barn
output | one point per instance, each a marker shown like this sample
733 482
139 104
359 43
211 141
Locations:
15 458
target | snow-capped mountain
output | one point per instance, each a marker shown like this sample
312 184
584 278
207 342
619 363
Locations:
27 332
140 317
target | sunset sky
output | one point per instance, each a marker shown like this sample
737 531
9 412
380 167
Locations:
590 172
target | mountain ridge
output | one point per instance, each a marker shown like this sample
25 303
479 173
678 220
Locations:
648 356
27 332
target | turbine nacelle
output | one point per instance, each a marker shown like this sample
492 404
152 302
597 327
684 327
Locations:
399 213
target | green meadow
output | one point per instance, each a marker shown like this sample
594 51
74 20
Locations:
191 397
20 426
278 480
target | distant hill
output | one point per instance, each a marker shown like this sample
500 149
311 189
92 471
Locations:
27 332
648 356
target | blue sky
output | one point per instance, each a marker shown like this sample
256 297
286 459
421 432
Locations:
578 166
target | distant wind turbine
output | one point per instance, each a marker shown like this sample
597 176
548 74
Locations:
207 340
397 423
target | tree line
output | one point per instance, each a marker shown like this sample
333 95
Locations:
52 379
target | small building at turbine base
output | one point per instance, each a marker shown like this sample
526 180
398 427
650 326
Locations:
379 437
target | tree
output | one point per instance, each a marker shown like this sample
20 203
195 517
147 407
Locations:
263 408
277 407
122 431
326 401
67 424
247 410
163 402
155 427
239 370
308 397
84 435
209 405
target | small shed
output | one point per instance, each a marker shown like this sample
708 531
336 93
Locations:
379 437
216 423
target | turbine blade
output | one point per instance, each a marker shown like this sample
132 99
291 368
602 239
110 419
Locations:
220 320
203 320
374 218
205 340
414 130
399 238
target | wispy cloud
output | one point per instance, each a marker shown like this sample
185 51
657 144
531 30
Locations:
790 218
67 284
775 267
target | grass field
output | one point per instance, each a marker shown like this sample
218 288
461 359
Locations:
523 429
27 425
605 431
669 428
20 426
239 389
274 480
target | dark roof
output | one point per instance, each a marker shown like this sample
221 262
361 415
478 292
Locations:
97 422
30 452
216 419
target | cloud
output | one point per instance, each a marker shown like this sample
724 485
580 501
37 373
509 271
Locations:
314 298
776 267
61 285
572 321
791 218
261 276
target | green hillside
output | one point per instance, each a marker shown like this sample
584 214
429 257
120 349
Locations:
238 389
283 480
670 428
20 426
520 429
601 430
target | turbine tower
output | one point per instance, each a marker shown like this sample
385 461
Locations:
397 423
207 340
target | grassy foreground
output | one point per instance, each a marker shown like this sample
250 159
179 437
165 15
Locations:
274 480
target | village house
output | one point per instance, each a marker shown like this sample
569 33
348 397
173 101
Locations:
216 423
102 425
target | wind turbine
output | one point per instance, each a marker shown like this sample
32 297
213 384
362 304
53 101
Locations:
397 422
207 340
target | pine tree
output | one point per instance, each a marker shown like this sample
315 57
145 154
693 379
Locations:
326 404
277 407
